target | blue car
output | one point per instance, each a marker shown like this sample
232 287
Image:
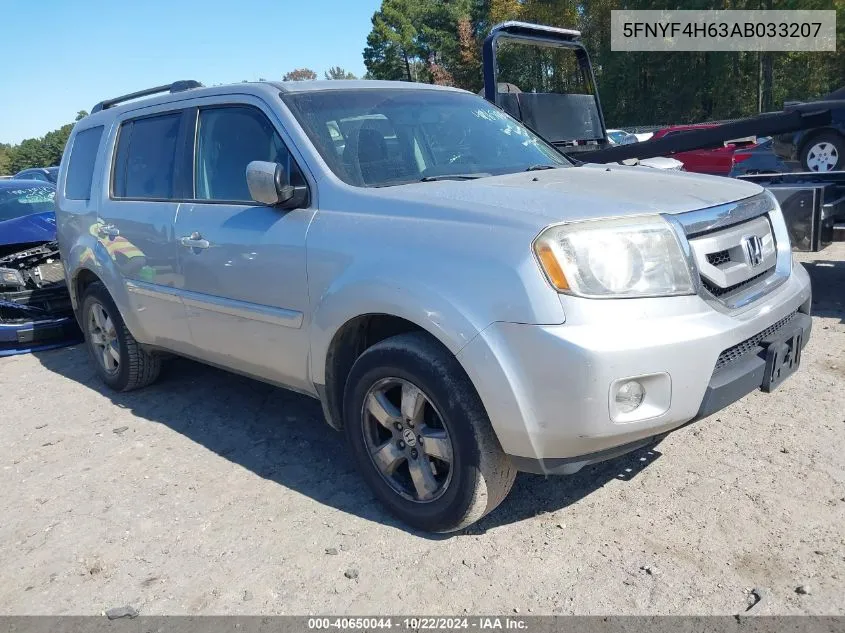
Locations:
35 309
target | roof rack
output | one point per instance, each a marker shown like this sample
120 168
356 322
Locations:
176 86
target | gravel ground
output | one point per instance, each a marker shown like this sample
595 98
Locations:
210 493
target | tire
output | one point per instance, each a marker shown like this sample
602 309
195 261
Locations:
823 153
134 367
479 475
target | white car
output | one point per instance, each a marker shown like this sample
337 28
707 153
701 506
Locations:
621 137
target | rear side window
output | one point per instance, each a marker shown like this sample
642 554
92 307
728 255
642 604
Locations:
146 158
80 170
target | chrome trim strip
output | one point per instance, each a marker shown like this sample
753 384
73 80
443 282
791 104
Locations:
243 309
155 291
686 248
724 215
231 307
751 294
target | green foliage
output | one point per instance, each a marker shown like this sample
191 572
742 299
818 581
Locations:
439 41
5 158
417 40
300 74
336 72
35 152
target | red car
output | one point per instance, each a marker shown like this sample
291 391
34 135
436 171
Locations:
717 161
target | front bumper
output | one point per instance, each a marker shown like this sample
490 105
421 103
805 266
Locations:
24 336
547 389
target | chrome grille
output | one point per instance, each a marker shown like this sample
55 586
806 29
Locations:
740 250
749 345
733 259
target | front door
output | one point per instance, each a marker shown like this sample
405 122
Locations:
245 286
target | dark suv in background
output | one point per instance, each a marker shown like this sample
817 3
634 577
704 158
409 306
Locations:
817 149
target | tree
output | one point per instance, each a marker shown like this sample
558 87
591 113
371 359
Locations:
336 72
417 40
390 46
300 74
81 115
36 152
5 158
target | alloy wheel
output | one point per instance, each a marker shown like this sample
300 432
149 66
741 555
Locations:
103 337
407 440
822 157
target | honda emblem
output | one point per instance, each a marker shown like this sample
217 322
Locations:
753 247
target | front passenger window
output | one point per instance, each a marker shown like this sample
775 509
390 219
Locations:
229 138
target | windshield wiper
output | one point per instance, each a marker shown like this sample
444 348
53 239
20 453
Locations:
453 177
542 167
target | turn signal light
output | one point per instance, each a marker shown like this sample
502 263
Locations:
550 265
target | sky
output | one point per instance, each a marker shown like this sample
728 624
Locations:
62 56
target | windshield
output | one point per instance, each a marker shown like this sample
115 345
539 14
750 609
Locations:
616 137
383 137
19 201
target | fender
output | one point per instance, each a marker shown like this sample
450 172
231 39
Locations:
445 318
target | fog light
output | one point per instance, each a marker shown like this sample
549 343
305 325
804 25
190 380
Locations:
629 396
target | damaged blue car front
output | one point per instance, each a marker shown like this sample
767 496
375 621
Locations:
35 309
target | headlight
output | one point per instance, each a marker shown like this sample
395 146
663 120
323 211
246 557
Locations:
627 257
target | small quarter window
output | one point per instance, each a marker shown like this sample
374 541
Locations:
80 171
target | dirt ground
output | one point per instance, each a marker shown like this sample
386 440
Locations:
210 493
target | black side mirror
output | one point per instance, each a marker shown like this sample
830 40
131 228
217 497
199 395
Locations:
268 183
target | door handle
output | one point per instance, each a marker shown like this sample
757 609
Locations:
108 230
194 240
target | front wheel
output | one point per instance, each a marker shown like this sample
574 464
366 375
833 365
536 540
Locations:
421 437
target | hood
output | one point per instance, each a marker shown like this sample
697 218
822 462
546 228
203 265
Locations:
38 227
571 193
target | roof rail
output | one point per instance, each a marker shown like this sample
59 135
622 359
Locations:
176 86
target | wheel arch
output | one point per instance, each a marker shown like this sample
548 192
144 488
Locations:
348 342
812 135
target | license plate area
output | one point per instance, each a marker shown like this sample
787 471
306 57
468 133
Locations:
783 356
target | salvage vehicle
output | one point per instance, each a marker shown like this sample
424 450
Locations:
464 301
35 310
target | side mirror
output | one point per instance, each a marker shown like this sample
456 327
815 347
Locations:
268 183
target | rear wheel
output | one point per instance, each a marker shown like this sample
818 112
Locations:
118 358
421 437
823 153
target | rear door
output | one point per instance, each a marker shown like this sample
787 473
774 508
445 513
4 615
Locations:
245 286
135 226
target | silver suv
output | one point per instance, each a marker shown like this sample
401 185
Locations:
463 300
